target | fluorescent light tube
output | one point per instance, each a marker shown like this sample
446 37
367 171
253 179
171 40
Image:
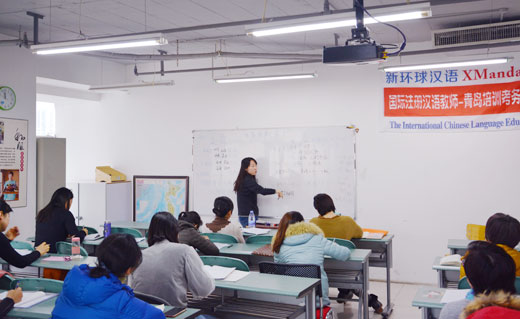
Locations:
108 43
122 86
340 20
446 65
267 78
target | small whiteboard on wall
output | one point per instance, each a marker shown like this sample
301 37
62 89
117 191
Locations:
301 162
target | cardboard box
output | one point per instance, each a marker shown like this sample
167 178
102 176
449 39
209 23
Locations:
109 175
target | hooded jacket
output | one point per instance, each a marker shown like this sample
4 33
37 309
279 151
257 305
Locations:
304 244
190 236
102 298
496 305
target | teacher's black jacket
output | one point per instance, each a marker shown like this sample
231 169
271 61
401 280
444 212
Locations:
57 228
246 195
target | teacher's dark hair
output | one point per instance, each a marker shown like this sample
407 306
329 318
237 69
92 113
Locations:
287 219
192 217
162 226
222 206
489 268
60 199
324 204
244 164
503 229
116 254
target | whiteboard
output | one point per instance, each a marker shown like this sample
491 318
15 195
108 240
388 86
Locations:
301 162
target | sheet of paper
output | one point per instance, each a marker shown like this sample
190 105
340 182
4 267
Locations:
31 298
218 272
236 275
454 295
139 239
255 231
93 236
55 258
160 307
24 252
222 245
373 235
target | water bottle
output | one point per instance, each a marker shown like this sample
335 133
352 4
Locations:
75 248
107 228
251 220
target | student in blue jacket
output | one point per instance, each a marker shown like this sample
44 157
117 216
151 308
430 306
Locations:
298 242
99 292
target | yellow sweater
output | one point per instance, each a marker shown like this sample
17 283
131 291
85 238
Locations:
343 227
515 254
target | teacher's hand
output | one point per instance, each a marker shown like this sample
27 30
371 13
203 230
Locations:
279 193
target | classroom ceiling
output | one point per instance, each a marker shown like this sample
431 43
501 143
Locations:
77 19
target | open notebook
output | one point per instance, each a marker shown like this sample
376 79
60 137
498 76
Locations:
31 298
225 273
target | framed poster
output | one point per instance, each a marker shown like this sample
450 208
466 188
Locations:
13 163
154 194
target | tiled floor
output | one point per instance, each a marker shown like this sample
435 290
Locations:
402 295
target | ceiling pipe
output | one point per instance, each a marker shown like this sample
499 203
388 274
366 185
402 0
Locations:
233 67
188 56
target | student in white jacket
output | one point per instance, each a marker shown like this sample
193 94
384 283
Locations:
170 269
223 208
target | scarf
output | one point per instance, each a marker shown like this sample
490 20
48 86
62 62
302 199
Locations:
217 224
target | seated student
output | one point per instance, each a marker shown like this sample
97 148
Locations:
169 269
100 292
189 223
343 227
333 225
298 242
13 296
491 274
223 208
504 231
7 252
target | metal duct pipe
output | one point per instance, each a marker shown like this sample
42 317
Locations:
233 67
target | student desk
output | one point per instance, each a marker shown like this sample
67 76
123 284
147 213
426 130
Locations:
448 276
143 244
358 261
142 226
381 256
63 265
459 246
428 299
258 283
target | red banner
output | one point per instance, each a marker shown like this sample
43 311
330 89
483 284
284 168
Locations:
453 100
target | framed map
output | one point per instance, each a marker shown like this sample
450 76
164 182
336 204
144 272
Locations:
154 194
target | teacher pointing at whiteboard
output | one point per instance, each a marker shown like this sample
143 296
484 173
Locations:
247 189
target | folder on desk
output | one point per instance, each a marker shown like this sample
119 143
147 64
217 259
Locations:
374 233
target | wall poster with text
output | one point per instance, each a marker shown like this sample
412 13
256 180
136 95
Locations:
13 163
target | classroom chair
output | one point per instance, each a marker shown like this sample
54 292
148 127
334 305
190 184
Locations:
38 284
225 262
5 280
151 299
343 242
126 230
296 270
475 232
221 238
21 245
517 285
259 239
463 283
65 248
91 230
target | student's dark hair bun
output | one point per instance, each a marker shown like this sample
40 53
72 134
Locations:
222 206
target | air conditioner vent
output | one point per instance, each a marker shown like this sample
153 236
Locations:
487 33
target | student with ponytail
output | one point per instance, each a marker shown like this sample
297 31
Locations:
223 209
189 223
100 292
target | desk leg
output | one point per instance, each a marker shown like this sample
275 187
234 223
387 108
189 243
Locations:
310 304
389 306
424 313
365 290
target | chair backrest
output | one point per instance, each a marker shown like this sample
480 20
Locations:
65 248
38 284
296 270
126 230
21 245
5 281
91 230
475 232
259 239
343 242
221 238
154 300
463 283
517 285
225 262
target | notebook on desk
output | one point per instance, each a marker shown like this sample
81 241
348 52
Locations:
31 298
374 233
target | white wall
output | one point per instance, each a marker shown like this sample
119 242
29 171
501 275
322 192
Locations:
422 187
18 71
